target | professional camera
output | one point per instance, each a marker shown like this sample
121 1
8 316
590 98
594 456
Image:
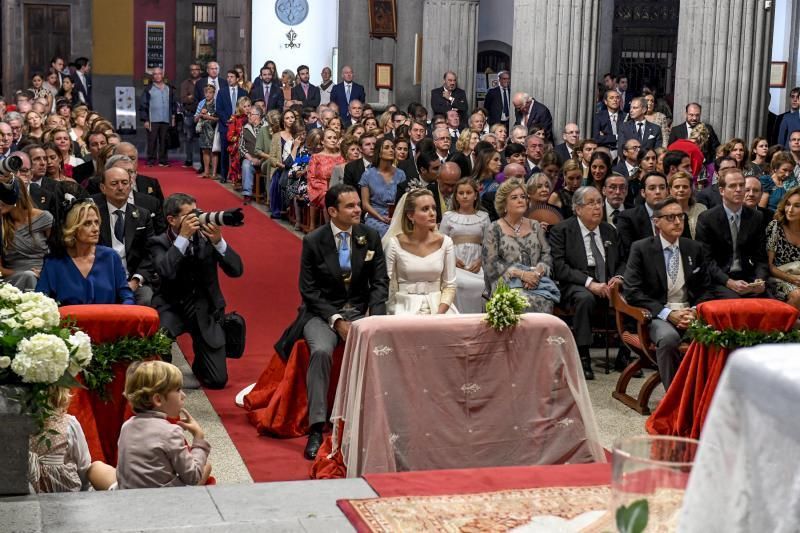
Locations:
10 164
230 217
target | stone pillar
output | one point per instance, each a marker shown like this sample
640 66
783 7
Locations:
555 58
449 42
725 70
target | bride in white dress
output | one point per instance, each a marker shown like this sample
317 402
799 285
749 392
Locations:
420 261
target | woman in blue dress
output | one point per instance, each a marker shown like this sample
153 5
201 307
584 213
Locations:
86 273
379 187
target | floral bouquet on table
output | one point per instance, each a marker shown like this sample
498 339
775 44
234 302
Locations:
37 350
505 307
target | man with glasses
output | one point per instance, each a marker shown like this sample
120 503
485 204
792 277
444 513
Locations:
571 136
442 143
628 165
126 228
498 100
667 274
41 198
615 190
733 239
138 199
684 130
586 264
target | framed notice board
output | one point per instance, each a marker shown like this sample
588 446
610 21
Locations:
155 45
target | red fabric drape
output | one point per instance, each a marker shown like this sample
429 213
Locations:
102 418
329 468
683 410
278 404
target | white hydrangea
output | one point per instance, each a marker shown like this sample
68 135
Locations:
5 361
81 348
42 358
36 311
9 293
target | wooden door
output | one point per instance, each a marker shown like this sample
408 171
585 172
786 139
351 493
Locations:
47 34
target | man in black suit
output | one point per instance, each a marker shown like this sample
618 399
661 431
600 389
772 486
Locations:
709 196
342 278
637 127
41 198
571 136
636 223
345 92
534 152
429 168
146 201
529 112
267 89
304 92
448 97
629 161
734 242
667 274
127 229
227 98
189 299
80 77
682 130
608 122
615 192
586 264
355 169
498 100
752 196
211 78
625 94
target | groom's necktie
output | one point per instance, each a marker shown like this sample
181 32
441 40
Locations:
344 253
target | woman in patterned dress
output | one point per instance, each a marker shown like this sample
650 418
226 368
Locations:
783 250
515 249
320 169
235 127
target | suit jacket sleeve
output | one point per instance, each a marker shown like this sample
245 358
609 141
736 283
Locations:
230 262
673 135
635 285
145 267
563 271
314 97
705 235
310 285
379 284
166 257
626 232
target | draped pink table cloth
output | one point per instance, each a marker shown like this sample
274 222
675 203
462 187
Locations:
448 391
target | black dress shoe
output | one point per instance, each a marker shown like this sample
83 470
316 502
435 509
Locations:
312 446
588 373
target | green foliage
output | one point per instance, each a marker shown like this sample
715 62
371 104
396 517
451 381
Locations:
99 373
705 334
505 307
633 518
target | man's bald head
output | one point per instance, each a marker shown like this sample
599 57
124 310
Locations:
126 148
514 170
448 177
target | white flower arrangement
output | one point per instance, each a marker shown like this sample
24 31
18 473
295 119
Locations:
36 349
505 307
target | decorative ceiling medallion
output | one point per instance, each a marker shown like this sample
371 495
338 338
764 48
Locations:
291 12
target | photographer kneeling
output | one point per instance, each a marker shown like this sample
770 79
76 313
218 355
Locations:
189 299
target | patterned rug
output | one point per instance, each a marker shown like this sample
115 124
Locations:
471 513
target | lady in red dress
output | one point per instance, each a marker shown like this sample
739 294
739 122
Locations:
320 169
235 127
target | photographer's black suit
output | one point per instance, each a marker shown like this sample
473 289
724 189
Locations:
189 299
326 294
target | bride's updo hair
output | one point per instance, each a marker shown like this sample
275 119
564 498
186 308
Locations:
411 206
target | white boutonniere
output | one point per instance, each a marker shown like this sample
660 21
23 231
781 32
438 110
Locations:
607 244
361 240
135 213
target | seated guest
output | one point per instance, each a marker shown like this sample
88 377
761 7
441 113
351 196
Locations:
139 183
147 201
615 191
189 298
634 224
464 156
153 452
513 153
680 188
127 228
379 186
349 151
783 250
573 176
752 195
85 272
734 242
250 162
780 180
586 264
25 233
334 294
466 224
628 164
485 171
668 287
539 188
320 169
709 196
599 169
420 257
516 250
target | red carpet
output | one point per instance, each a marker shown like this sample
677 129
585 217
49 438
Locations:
266 295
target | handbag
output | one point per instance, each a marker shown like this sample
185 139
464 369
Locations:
235 329
173 138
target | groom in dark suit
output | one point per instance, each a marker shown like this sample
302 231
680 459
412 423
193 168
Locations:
667 275
342 278
586 264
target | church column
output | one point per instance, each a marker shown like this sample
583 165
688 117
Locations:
555 58
725 70
449 42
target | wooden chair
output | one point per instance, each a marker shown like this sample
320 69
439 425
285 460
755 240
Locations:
640 344
258 194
